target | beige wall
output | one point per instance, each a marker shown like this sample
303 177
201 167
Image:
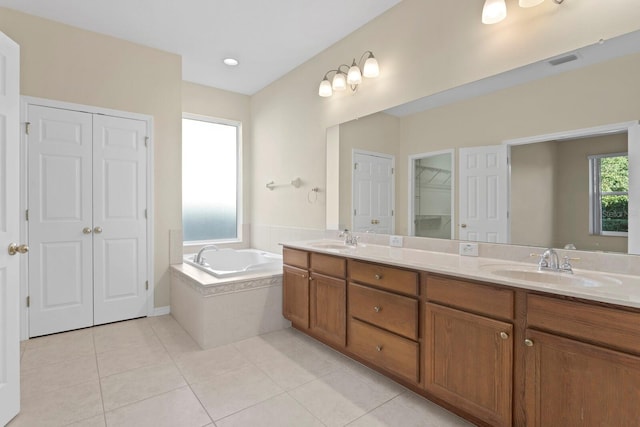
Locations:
421 51
216 103
68 64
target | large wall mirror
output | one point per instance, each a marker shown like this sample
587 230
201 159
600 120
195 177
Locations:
550 182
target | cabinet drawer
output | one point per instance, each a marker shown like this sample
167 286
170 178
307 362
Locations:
387 350
328 265
482 299
616 328
295 257
392 312
390 278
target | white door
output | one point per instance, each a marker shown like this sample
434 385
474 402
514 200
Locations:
60 222
9 226
373 193
483 194
119 223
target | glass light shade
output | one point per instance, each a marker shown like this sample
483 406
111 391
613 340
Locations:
371 68
494 11
529 3
325 89
354 76
339 82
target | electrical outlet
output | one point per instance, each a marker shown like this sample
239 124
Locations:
395 241
469 249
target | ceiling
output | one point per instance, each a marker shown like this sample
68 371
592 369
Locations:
268 37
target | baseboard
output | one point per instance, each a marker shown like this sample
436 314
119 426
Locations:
161 311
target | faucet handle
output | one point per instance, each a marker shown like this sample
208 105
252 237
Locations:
566 265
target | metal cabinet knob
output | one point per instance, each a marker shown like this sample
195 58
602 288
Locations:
378 276
528 343
86 230
97 230
379 347
18 249
504 335
377 309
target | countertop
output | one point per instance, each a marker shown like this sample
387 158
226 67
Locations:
619 289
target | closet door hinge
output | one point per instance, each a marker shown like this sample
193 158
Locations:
28 301
27 126
145 214
26 215
146 141
146 285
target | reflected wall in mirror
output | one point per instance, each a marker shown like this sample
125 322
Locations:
574 98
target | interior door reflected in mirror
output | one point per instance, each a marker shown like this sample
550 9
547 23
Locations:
431 195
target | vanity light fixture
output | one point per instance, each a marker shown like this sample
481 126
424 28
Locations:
349 76
495 11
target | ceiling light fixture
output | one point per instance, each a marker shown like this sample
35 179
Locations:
231 62
349 76
495 11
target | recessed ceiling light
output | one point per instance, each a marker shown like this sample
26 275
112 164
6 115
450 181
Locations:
231 62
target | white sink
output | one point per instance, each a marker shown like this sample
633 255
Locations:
532 274
331 245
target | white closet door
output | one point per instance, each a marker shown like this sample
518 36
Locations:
60 263
9 225
373 193
119 223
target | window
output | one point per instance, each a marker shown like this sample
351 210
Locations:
609 195
210 170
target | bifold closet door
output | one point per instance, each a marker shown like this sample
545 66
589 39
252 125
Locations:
119 218
60 220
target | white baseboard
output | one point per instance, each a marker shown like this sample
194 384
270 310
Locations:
161 311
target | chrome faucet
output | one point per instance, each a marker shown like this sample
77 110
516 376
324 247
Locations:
349 238
198 259
549 260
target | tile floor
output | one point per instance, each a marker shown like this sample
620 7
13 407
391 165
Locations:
149 372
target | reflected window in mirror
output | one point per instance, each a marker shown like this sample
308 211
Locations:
609 198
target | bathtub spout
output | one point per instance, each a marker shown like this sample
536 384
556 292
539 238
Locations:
198 258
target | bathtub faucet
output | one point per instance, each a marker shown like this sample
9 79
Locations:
198 258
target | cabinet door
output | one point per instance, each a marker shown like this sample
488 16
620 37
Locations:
469 362
295 296
570 383
328 308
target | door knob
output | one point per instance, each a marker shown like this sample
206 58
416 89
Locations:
86 230
97 230
463 225
18 249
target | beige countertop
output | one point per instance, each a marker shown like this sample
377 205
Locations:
620 289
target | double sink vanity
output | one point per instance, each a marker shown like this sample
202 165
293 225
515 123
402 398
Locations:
499 343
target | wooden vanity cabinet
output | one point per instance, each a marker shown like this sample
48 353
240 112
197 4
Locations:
582 364
468 361
328 298
295 287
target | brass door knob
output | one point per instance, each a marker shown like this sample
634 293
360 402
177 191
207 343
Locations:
97 230
86 230
18 249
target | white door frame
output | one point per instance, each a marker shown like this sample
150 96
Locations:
633 147
391 157
25 102
412 176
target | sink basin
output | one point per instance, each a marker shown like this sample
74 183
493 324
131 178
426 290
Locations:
532 274
331 245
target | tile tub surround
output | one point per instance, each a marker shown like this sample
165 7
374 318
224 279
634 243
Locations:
221 311
624 293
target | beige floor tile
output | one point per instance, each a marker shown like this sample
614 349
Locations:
119 336
234 391
279 411
178 344
50 377
340 397
413 410
176 408
57 348
61 407
133 357
166 325
205 365
60 339
139 384
97 421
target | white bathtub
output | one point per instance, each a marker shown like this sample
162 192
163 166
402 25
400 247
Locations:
234 263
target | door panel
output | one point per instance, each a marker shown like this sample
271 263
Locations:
60 263
119 204
373 193
9 226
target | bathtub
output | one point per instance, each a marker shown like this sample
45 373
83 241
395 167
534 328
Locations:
236 295
234 263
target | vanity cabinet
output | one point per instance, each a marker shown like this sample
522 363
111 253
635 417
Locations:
468 359
295 287
328 298
582 364
383 317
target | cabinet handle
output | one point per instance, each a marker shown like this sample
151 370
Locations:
377 309
504 335
379 347
528 342
378 276
304 276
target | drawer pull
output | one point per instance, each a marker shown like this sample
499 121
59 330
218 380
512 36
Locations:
379 347
504 335
377 309
528 343
378 276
